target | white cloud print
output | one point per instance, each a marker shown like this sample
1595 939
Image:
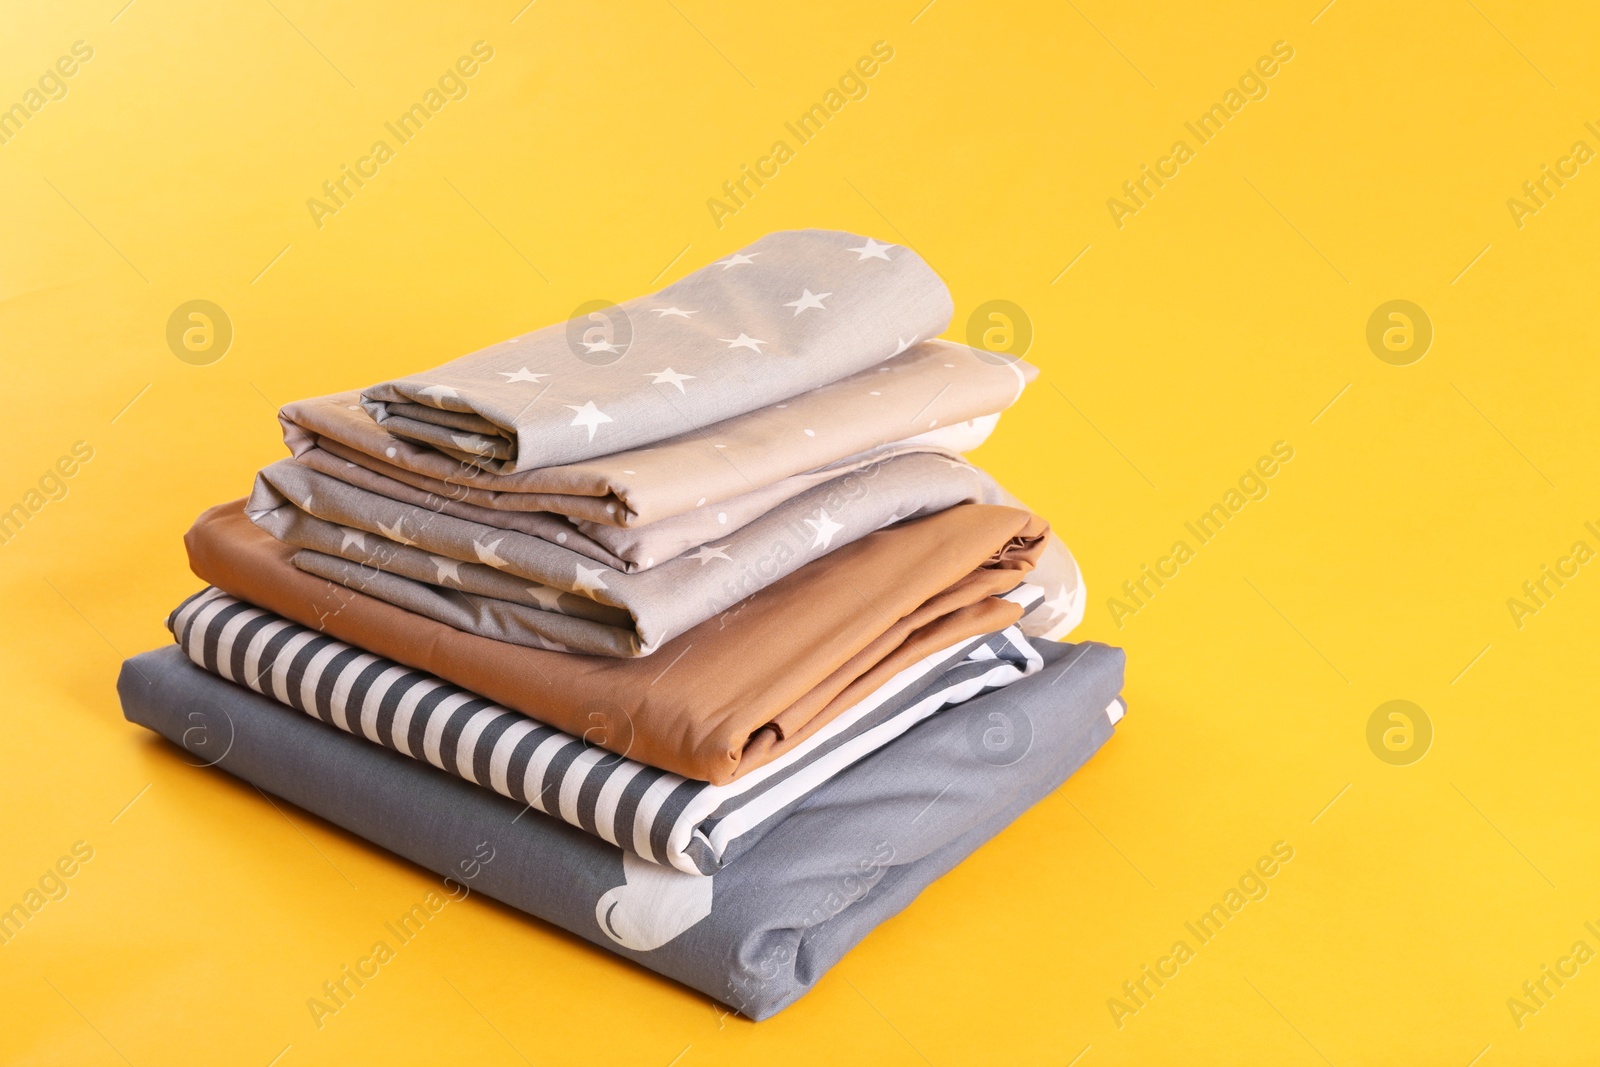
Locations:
655 905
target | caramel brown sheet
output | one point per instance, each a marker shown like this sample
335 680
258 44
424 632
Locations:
728 695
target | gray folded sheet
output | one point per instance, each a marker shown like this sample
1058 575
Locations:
754 936
633 548
511 586
794 311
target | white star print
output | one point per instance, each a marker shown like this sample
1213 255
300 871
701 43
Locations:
679 312
438 392
546 596
448 569
487 554
476 445
744 340
670 377
394 533
903 345
523 375
587 579
354 537
872 250
824 528
587 415
706 553
808 299
736 259
601 346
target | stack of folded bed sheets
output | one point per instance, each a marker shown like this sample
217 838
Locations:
689 613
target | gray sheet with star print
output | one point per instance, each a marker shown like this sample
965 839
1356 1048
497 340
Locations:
515 587
794 311
631 548
756 935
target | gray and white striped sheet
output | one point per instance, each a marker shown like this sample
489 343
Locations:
688 824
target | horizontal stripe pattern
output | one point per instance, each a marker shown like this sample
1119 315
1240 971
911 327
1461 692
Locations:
691 825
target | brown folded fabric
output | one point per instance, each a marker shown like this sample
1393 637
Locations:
721 699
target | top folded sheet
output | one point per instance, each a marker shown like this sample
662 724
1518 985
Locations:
791 312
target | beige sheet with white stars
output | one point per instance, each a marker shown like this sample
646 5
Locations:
938 393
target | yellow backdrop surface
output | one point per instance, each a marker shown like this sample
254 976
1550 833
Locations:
1186 324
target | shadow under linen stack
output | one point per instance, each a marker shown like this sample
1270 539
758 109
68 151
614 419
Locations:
697 621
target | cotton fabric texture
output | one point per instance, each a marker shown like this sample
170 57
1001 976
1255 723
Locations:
721 699
665 818
630 548
529 591
932 394
755 936
794 311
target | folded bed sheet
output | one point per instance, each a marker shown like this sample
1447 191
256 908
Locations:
624 548
530 591
632 549
938 393
755 936
723 698
662 817
794 311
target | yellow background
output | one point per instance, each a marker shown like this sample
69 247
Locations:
1224 316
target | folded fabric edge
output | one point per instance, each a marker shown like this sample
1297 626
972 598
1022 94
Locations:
664 818
459 813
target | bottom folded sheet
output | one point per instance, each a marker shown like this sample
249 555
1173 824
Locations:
756 935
